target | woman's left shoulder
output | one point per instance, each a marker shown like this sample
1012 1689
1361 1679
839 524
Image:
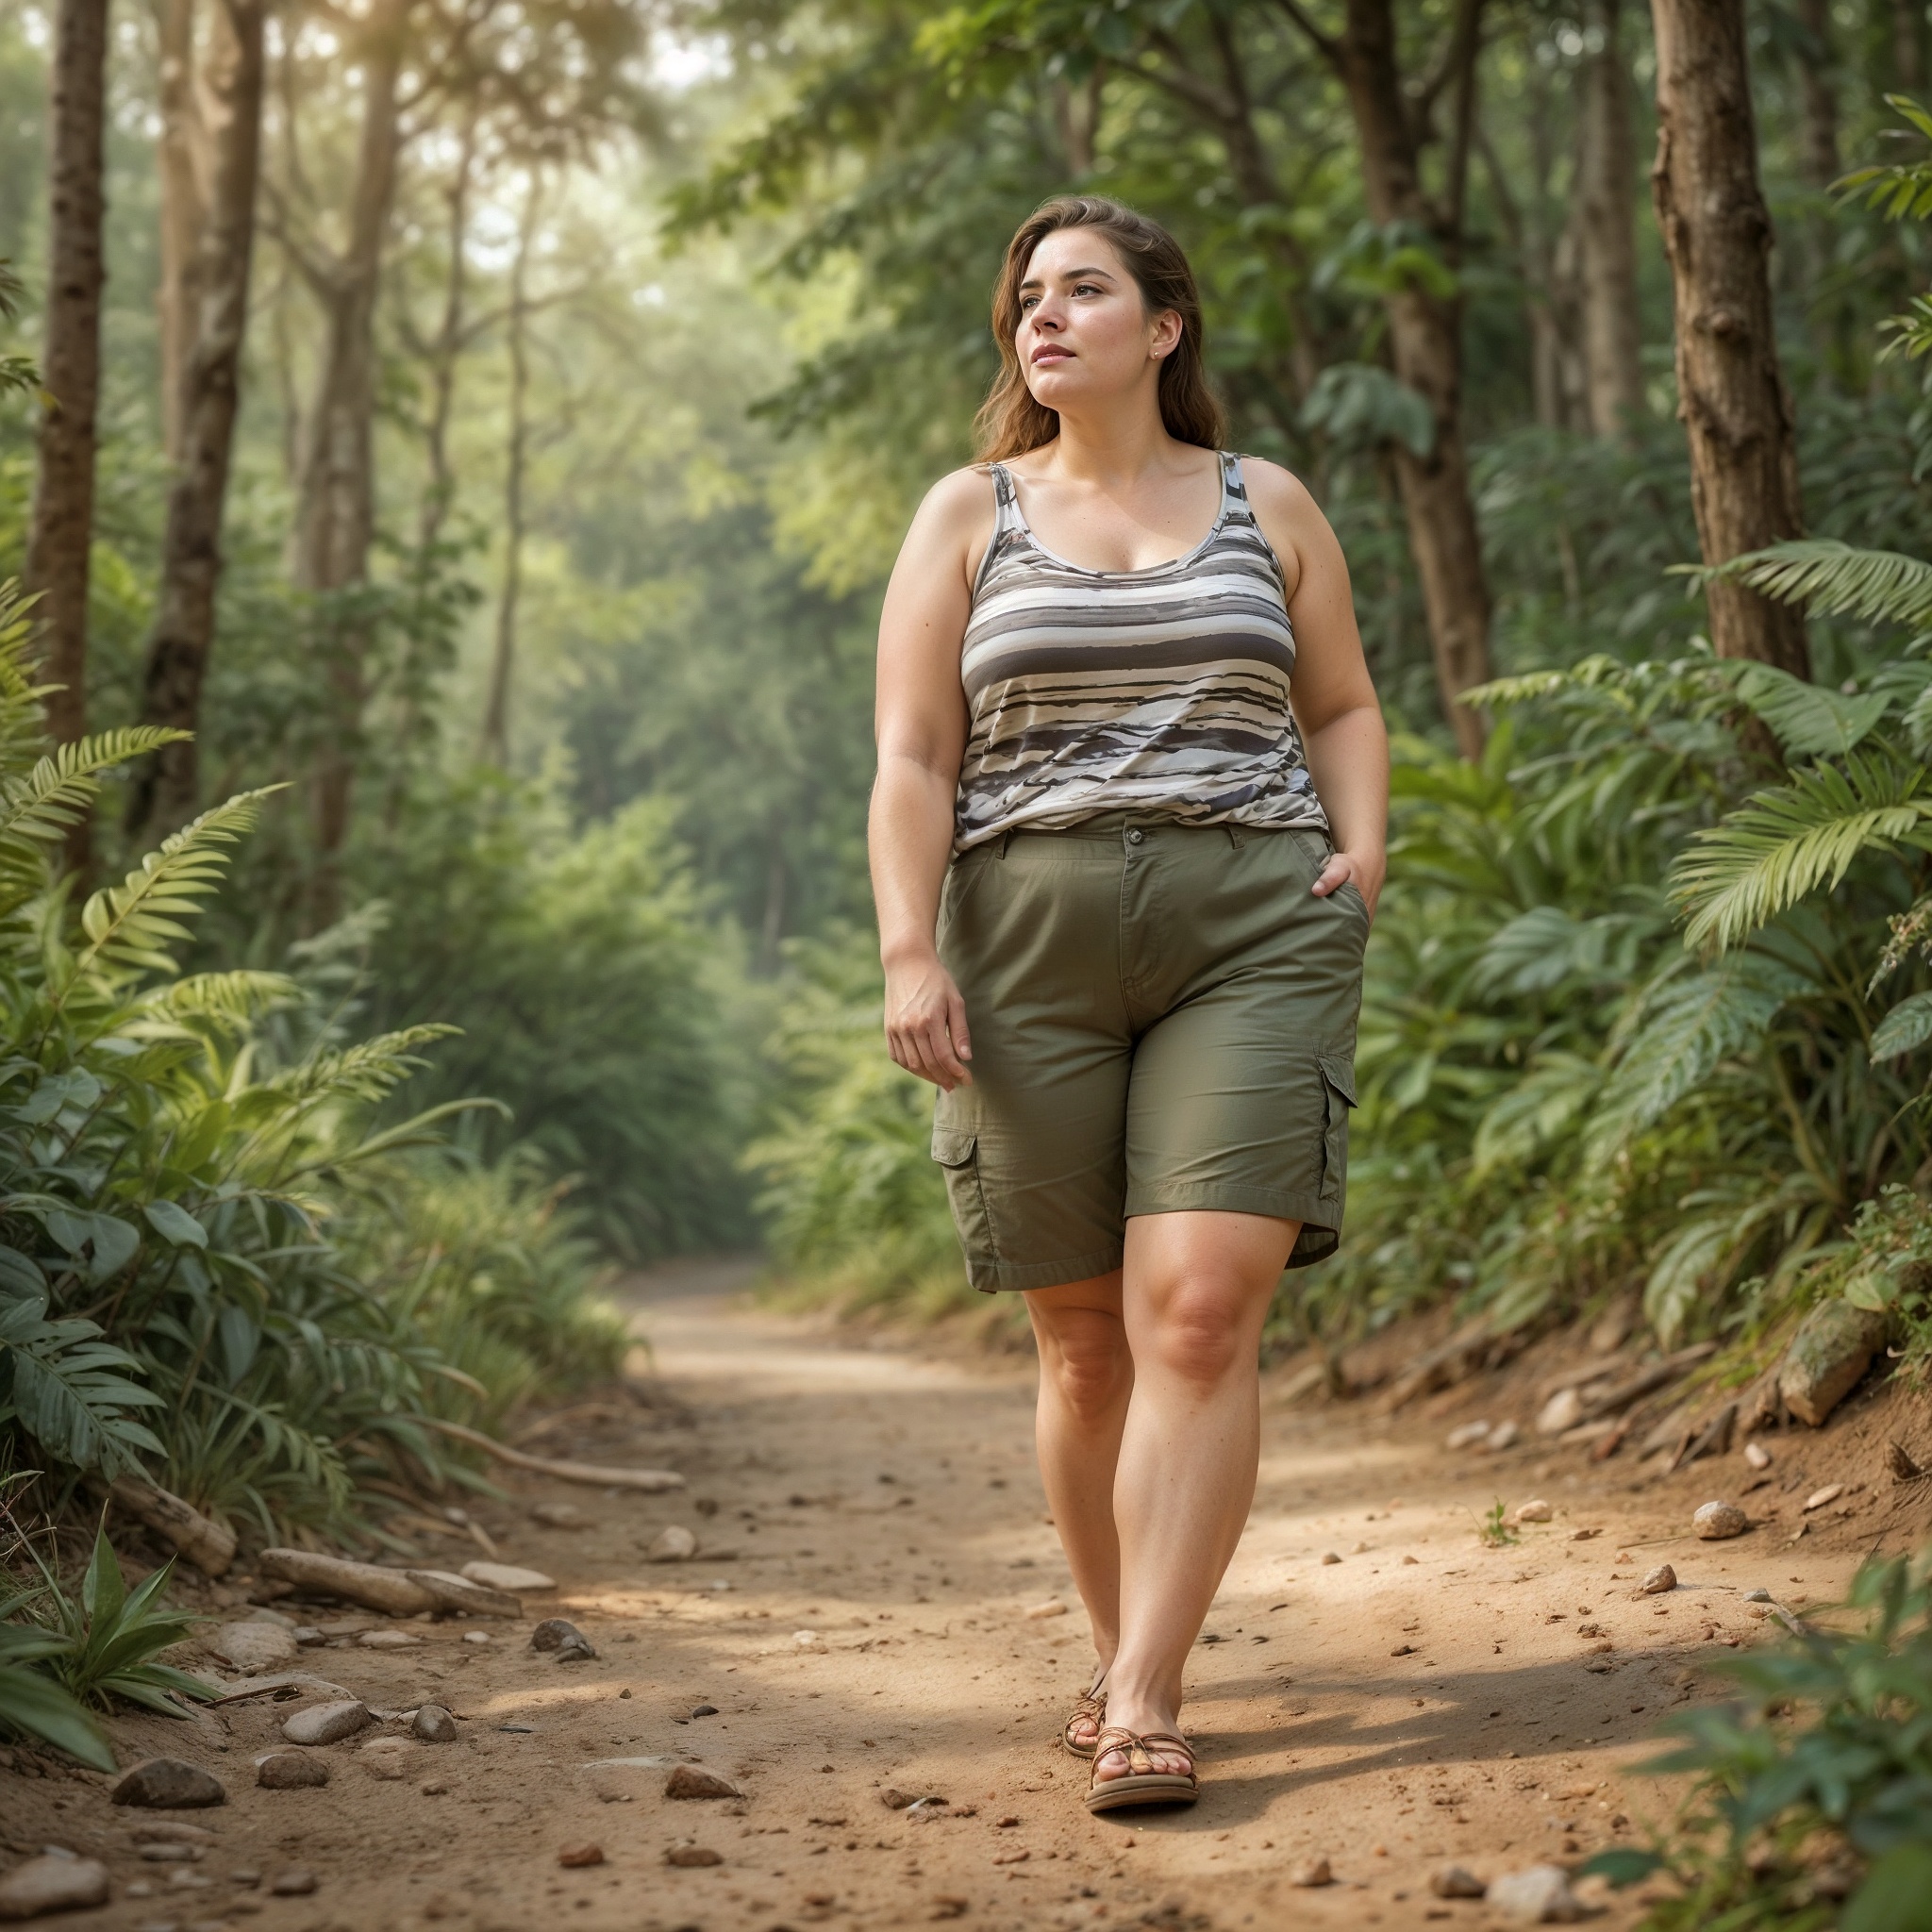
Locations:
1273 491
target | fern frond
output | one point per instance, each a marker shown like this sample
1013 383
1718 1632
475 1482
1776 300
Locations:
1782 845
1833 579
1809 719
236 999
369 1070
129 924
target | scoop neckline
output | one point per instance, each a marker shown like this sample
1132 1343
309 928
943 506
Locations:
1146 570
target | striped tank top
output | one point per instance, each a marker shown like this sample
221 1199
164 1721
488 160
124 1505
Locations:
1162 691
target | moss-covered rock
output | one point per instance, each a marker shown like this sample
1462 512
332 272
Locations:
1832 1349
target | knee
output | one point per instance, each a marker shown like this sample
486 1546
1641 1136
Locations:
1200 1333
1089 1363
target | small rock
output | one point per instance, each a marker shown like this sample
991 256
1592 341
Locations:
383 1757
1311 1873
165 1784
1563 1411
253 1646
558 1516
327 1723
176 1831
675 1544
561 1635
1756 1455
170 1855
290 1771
1536 1510
507 1576
1503 1436
1829 1355
387 1639
1411 1559
1330 1556
308 1637
292 1884
1051 1607
53 1884
693 1854
577 1856
1359 1550
1467 1434
475 1637
805 1639
1539 1896
434 1788
1717 1521
704 1710
1756 1596
1830 1494
1452 1881
695 1781
434 1725
1659 1580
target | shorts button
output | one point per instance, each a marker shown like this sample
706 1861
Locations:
1134 837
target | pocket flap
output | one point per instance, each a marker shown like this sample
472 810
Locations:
953 1146
1339 1074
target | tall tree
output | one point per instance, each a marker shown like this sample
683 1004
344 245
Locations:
1732 400
1391 120
164 793
1606 229
61 525
181 155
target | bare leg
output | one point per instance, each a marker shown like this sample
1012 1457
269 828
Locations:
1086 1377
1195 1292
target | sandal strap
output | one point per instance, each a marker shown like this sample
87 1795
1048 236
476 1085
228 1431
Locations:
1134 1745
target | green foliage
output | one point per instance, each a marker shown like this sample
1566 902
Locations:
1494 1530
1815 1785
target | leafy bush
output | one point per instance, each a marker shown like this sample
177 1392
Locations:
1813 1800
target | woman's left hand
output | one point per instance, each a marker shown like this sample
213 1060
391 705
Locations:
1362 870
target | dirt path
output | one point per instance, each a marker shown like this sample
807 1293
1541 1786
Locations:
873 1538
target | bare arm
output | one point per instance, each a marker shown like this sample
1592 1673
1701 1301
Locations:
1334 696
921 726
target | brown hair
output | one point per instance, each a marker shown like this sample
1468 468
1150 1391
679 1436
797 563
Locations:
1009 422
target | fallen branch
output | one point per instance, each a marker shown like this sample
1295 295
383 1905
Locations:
209 1545
650 1480
397 1592
1647 1380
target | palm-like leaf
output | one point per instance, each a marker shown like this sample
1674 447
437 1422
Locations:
70 1389
1783 844
1834 579
130 924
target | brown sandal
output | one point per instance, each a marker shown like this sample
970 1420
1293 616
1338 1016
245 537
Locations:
1142 1784
1091 1708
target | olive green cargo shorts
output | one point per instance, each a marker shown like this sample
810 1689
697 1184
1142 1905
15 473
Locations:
1162 1019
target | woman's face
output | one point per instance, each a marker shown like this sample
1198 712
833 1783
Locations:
1085 334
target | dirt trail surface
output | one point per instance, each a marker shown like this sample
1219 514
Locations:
867 1615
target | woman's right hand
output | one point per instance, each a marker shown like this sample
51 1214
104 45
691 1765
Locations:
925 1023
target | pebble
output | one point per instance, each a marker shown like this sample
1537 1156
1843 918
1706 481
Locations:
383 1758
1452 1881
475 1637
327 1723
295 1884
561 1635
308 1637
704 1710
806 1638
1756 1455
1757 1597
1659 1580
1051 1607
176 1831
387 1639
1503 1436
1536 1510
1563 1411
1330 1556
1718 1522
53 1883
507 1576
675 1544
165 1784
290 1771
1311 1873
434 1725
558 1516
253 1646
1469 1433
576 1856
1539 1896
1830 1494
695 1781
171 1855
693 1854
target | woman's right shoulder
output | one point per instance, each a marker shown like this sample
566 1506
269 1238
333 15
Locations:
966 493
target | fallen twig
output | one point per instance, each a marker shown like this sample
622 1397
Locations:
651 1480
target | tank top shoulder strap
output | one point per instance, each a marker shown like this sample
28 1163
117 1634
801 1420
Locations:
1008 514
1234 493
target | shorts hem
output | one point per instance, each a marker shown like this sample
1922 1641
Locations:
992 1278
1320 1231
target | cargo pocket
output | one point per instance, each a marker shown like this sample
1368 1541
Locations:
957 1152
1337 1097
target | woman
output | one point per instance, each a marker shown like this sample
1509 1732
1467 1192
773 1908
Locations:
1124 885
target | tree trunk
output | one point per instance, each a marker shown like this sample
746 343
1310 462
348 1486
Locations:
1606 232
62 527
448 345
1907 63
1425 343
1819 96
1732 400
163 794
336 519
503 658
181 155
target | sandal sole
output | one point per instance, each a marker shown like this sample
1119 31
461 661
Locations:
1150 1788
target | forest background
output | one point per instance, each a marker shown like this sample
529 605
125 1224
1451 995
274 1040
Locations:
506 415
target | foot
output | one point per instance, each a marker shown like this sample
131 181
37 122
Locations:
1082 1728
1112 1762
